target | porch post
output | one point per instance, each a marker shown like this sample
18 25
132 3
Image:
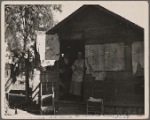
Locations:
40 97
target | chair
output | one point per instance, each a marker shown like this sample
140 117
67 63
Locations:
95 103
95 106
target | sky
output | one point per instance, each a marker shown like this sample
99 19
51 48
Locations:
136 12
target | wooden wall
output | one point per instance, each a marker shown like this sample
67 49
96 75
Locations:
120 89
98 27
95 26
119 92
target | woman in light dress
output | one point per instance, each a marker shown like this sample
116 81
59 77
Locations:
77 77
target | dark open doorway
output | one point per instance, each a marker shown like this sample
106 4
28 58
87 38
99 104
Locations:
71 49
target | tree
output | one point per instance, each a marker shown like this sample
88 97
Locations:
21 23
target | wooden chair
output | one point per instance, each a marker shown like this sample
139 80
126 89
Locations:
95 104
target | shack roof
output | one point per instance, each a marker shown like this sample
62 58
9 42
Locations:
99 8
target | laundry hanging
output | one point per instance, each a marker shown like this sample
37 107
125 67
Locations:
40 44
102 58
94 62
114 57
52 47
95 56
137 56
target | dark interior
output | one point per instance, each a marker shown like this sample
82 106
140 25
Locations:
71 47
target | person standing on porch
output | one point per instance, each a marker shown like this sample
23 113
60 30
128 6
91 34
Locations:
65 75
77 77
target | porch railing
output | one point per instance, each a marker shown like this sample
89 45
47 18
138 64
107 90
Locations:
44 95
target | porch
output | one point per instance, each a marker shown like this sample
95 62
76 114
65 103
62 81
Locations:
72 107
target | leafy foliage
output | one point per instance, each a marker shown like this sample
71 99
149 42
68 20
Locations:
21 24
22 21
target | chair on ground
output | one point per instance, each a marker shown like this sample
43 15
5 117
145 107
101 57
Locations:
95 104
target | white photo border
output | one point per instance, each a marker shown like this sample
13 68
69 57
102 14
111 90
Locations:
146 68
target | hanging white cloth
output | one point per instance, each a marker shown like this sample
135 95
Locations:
137 55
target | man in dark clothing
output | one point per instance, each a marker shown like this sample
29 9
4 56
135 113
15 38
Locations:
65 75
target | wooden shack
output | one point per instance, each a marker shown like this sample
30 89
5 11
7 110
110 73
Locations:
114 47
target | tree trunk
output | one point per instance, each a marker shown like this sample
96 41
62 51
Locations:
27 78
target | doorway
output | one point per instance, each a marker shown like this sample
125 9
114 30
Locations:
71 49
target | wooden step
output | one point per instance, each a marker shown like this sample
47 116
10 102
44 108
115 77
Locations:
70 107
69 103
